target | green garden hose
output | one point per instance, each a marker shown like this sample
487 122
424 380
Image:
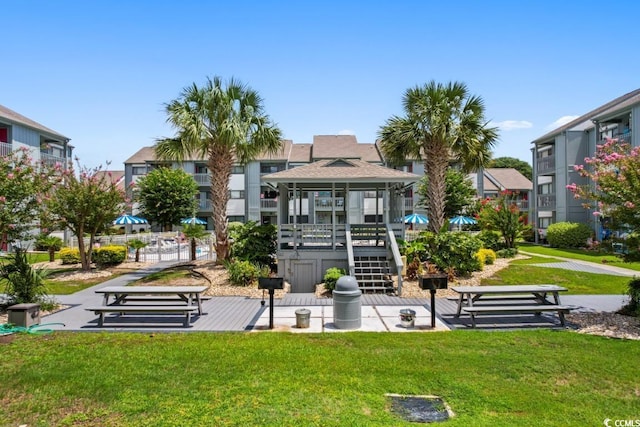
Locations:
8 328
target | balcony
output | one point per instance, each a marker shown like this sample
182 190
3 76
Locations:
205 205
268 204
51 160
523 205
546 164
623 137
547 201
326 203
5 148
202 178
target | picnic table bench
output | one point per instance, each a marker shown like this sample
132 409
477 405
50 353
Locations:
161 299
511 299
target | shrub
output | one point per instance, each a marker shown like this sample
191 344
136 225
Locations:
507 253
245 273
568 235
491 240
414 249
414 269
454 250
109 255
486 256
69 255
23 284
255 243
331 276
633 307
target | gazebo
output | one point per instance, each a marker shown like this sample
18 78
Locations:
322 224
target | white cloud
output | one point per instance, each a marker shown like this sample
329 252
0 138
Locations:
346 132
508 125
561 122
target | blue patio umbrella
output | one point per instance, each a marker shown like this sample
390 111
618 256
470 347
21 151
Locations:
129 219
415 218
193 221
461 220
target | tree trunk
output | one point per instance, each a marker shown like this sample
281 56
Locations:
220 164
137 255
52 254
193 249
435 165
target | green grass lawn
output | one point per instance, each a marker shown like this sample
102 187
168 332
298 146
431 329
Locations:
580 254
525 378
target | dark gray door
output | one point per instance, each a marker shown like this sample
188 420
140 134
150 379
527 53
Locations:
304 273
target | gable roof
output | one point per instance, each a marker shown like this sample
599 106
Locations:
342 171
116 177
508 179
584 122
343 147
13 117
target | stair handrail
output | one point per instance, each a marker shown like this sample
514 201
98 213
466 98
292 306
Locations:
397 258
350 257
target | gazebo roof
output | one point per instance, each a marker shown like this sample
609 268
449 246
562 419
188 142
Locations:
341 171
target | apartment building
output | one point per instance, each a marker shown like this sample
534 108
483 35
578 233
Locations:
18 131
250 199
555 153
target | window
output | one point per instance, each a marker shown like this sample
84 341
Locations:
237 170
372 218
201 169
270 168
138 170
235 218
236 194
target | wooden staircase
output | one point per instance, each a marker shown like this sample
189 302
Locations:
373 273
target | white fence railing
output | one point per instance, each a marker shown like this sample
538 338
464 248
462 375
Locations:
160 246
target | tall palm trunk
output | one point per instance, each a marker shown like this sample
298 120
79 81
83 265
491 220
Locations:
220 165
435 165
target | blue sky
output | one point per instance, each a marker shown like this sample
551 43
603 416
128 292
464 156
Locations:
100 72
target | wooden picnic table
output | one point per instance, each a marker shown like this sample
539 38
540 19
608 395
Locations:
122 294
518 299
155 299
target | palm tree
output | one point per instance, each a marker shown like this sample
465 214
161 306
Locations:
193 232
442 123
223 123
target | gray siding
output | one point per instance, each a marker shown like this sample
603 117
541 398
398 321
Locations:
252 192
26 136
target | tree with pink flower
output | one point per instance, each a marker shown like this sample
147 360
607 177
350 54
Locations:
86 203
614 189
23 182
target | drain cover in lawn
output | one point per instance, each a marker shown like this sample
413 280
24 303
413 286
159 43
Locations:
419 409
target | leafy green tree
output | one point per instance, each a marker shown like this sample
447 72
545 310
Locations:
460 193
166 195
49 243
503 215
224 123
442 123
511 162
23 185
193 232
86 203
255 243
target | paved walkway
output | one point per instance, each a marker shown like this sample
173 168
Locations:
380 313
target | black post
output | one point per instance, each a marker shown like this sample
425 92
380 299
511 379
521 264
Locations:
433 307
271 292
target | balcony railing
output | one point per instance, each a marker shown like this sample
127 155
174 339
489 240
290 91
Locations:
326 203
523 205
205 205
547 201
202 178
5 148
625 136
546 164
268 204
52 160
